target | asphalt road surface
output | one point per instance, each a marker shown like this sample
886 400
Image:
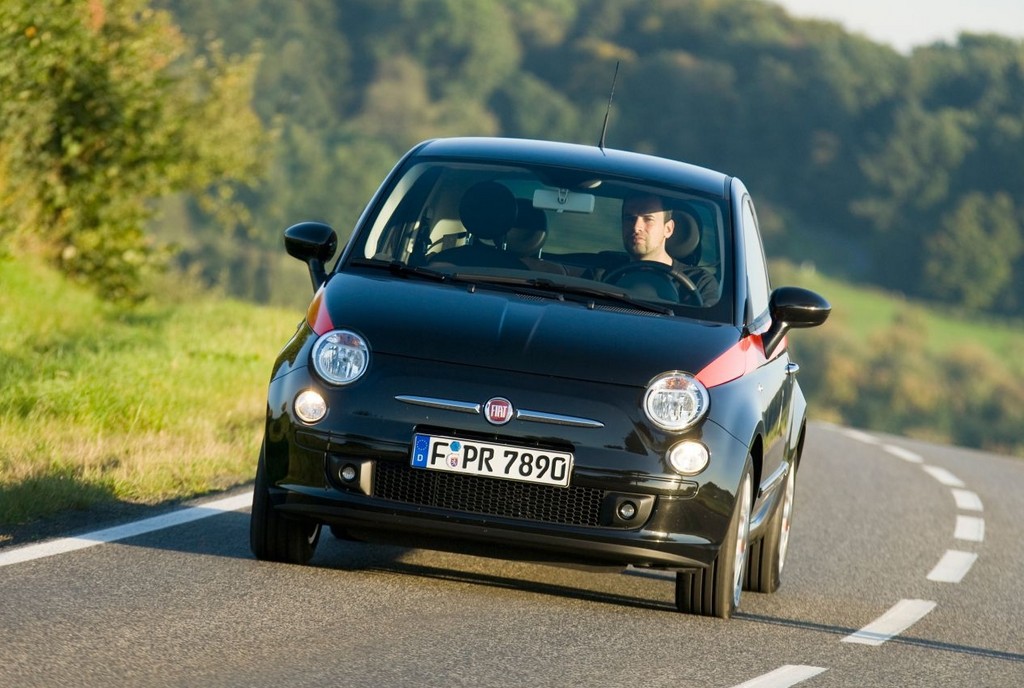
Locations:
905 569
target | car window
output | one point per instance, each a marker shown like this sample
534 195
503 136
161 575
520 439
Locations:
757 270
554 226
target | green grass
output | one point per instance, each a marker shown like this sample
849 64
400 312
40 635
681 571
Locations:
864 311
97 404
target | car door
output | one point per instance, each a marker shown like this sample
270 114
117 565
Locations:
773 385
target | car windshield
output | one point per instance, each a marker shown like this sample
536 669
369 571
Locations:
600 240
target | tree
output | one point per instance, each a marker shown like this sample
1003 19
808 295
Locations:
970 259
102 110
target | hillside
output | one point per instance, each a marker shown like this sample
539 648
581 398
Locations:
900 171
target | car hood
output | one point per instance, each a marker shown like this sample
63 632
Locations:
515 332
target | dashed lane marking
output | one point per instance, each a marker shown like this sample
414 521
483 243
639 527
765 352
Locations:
901 453
943 476
967 500
953 566
902 616
859 436
970 528
784 676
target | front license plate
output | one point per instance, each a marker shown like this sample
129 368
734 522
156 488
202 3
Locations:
525 464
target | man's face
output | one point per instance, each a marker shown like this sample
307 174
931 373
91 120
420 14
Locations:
645 227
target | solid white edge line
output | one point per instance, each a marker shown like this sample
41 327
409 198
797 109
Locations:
953 566
967 500
943 476
902 616
783 677
901 453
51 548
970 528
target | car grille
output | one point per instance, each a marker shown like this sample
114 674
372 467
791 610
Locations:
571 505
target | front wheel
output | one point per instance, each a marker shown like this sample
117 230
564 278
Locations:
715 590
768 555
273 537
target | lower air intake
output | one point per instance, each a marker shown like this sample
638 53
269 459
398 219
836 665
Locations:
580 506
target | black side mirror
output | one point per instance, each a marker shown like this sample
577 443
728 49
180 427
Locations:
793 307
314 243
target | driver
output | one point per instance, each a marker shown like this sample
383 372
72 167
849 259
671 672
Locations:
646 227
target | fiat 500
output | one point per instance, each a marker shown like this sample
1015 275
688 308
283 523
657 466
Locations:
547 352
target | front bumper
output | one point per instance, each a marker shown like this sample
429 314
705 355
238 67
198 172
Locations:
678 522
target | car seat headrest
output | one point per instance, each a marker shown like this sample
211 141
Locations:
488 210
527 236
686 236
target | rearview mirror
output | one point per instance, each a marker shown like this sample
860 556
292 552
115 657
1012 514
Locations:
563 201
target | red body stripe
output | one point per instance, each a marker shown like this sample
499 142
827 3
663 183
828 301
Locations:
735 362
317 317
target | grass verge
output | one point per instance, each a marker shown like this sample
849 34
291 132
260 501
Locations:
98 404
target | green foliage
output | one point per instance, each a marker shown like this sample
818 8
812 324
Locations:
970 258
103 110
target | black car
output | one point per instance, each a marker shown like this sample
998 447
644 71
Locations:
497 364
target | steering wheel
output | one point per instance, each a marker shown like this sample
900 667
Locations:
677 277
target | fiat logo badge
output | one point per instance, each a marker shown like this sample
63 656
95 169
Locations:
498 411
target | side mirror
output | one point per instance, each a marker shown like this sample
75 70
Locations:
314 243
793 307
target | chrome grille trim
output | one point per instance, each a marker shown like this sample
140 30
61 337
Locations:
521 414
555 419
446 404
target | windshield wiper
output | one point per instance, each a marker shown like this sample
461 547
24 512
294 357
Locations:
536 284
544 284
403 270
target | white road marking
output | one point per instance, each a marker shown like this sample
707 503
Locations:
967 500
901 453
51 548
943 476
953 566
859 436
970 528
784 676
902 616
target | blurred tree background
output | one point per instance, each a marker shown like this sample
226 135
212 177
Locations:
909 163
245 116
103 110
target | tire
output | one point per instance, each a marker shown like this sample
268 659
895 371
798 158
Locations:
715 590
768 555
273 537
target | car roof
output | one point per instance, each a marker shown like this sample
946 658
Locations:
648 168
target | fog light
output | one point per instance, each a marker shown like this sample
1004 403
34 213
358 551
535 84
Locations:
627 510
348 473
310 407
689 458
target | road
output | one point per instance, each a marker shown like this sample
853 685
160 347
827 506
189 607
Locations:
904 570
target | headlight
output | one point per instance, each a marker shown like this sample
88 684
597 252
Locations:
340 357
675 401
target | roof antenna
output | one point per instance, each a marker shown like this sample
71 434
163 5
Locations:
604 129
